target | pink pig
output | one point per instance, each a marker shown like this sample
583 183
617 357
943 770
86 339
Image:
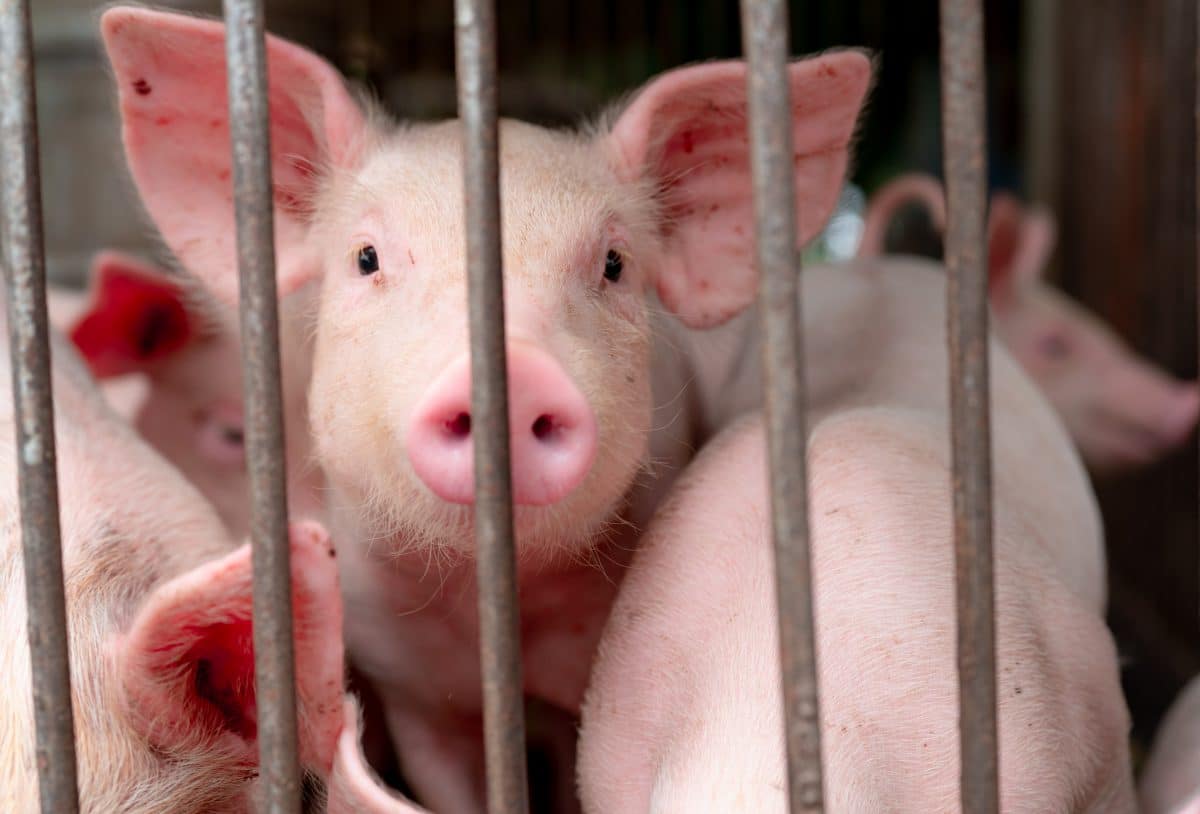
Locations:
1121 411
1170 782
684 712
169 358
650 208
159 613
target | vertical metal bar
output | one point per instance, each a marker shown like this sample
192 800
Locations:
25 283
503 716
274 665
963 140
765 41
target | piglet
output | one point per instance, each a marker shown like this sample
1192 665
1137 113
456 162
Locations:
1122 411
684 710
1170 782
145 331
640 221
159 625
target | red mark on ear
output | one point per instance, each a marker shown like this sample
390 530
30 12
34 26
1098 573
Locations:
142 87
134 322
223 175
163 121
215 123
688 141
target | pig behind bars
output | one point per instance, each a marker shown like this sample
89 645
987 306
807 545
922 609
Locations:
159 604
1122 411
684 713
602 230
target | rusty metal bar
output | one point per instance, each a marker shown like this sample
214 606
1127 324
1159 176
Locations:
274 664
963 140
28 336
765 41
500 648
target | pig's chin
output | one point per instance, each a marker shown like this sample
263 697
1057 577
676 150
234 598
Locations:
416 520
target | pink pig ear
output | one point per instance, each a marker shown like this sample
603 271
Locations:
686 133
171 80
1020 243
187 664
135 318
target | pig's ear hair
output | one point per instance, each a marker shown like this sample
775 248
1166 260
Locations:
686 134
1020 243
186 667
914 187
135 317
171 81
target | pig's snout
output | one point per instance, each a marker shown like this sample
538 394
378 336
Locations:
552 431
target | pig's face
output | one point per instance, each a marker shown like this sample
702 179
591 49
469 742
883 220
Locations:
656 200
142 325
579 248
1122 411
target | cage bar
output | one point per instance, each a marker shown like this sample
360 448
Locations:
963 140
37 477
765 41
274 663
499 646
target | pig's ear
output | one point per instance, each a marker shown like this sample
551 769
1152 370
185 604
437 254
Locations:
187 665
1020 242
135 317
171 80
685 133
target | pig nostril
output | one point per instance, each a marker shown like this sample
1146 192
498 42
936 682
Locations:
459 426
543 427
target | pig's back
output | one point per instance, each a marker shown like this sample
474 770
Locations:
875 337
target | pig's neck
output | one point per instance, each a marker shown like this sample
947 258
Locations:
415 614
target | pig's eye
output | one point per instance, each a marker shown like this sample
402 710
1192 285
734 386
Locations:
613 266
1054 346
368 261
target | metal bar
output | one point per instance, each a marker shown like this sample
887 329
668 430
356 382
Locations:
765 41
963 139
274 665
499 647
28 336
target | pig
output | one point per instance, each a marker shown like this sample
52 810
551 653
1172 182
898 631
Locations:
638 226
144 331
159 625
1170 782
1122 411
684 711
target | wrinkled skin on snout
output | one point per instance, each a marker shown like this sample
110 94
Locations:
1122 411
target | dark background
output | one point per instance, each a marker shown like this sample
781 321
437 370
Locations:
1091 110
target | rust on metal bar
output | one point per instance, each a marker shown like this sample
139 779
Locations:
500 648
963 139
274 664
765 41
28 336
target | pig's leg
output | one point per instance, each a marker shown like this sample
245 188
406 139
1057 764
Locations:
442 760
684 707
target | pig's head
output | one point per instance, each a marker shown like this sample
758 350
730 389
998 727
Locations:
653 206
143 321
1122 411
